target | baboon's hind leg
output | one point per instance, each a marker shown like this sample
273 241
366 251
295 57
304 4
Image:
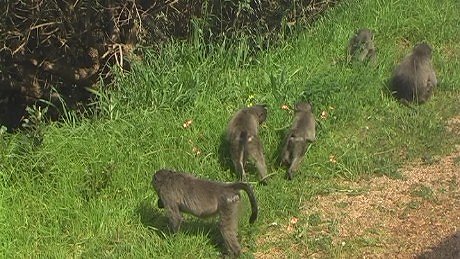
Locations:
228 226
256 152
238 164
298 150
285 154
238 158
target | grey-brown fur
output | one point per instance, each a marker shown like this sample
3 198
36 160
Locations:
181 192
361 46
301 133
244 142
414 78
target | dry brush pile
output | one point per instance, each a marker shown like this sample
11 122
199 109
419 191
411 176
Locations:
53 51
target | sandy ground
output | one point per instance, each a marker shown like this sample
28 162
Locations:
407 217
417 216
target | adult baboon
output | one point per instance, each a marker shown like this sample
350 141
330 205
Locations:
244 142
414 78
298 137
361 46
180 192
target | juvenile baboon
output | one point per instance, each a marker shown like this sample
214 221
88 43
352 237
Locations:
361 46
414 78
298 137
244 142
180 192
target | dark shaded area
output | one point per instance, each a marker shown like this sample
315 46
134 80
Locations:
449 248
156 219
53 52
224 156
282 136
151 217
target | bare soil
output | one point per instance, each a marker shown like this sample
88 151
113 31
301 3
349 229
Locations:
417 216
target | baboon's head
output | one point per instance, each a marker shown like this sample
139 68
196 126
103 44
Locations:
303 106
422 50
260 110
159 177
365 34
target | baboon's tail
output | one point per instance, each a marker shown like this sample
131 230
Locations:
243 143
252 199
241 151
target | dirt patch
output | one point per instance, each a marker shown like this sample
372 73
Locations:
401 217
415 216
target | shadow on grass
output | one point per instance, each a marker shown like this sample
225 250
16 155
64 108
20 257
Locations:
224 156
155 219
276 156
448 248
152 218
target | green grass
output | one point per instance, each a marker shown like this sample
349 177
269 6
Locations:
85 190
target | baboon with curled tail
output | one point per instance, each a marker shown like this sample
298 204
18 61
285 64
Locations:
181 192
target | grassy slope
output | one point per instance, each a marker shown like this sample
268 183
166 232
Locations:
85 191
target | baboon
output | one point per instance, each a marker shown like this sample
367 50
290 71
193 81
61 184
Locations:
181 192
414 78
244 142
361 46
298 137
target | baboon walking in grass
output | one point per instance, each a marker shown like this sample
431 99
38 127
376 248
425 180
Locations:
299 136
181 192
361 46
244 142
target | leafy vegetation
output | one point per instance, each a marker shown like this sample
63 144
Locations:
53 51
84 188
